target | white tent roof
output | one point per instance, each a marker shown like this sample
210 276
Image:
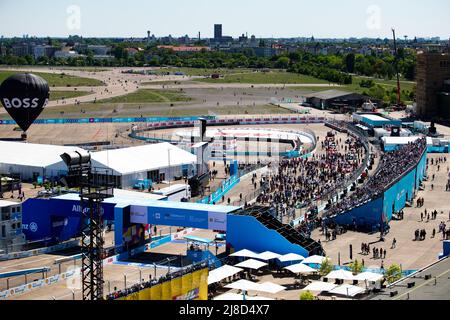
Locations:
347 290
369 276
142 158
266 256
251 264
230 296
270 287
314 260
222 273
341 275
291 257
319 286
31 154
244 254
301 268
246 285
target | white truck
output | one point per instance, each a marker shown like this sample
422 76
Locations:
176 192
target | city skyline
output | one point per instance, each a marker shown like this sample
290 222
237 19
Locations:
289 19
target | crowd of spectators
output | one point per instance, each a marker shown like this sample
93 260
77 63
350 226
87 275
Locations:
299 182
391 167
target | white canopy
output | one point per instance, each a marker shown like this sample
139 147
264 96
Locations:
147 157
243 285
341 275
230 296
246 285
314 260
369 276
319 286
244 254
301 268
266 256
222 273
270 287
251 264
291 257
347 290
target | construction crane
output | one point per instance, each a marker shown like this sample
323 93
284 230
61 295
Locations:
399 103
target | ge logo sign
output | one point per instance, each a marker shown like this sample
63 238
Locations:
33 227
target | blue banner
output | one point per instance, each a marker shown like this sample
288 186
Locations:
109 120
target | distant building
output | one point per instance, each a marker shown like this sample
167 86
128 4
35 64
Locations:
217 31
21 50
433 75
99 50
184 48
11 236
336 99
44 51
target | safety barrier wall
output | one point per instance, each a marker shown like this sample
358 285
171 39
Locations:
31 253
39 284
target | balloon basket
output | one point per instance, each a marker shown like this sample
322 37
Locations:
24 136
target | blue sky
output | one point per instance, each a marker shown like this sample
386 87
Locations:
264 18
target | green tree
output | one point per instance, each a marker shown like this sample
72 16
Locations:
350 60
356 267
307 296
326 267
282 62
393 273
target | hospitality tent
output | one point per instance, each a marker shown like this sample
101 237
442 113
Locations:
314 260
251 264
155 161
347 290
222 273
244 254
369 276
301 268
291 257
266 256
319 286
340 275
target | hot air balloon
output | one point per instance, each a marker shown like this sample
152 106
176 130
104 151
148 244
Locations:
24 96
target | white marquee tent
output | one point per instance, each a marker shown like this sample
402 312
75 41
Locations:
319 286
135 163
340 275
301 269
251 264
266 256
30 160
347 290
244 254
314 260
222 273
291 257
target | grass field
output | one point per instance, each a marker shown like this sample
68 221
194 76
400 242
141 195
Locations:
131 110
273 77
57 95
57 80
201 72
149 96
